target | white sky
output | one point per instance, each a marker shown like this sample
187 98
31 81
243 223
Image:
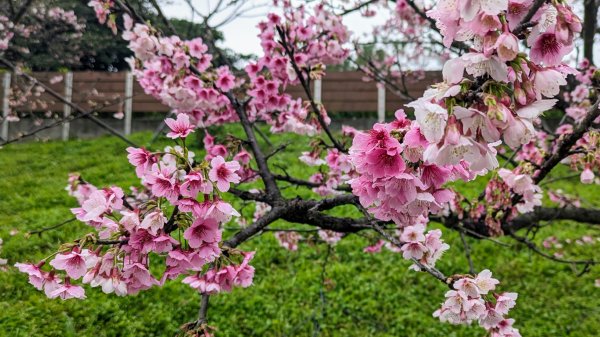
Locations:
241 33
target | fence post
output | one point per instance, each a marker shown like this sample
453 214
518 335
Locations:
317 91
66 107
128 101
5 105
380 102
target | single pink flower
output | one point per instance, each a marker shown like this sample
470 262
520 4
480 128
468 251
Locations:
548 49
413 250
507 46
484 281
196 47
225 80
36 277
180 128
547 82
67 291
381 163
223 173
153 222
193 184
245 272
505 302
163 182
93 208
202 230
75 263
141 159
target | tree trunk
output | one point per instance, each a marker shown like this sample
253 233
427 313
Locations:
589 28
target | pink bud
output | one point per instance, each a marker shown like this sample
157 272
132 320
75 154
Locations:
507 46
520 95
452 133
587 176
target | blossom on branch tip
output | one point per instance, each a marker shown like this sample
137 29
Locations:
181 127
223 173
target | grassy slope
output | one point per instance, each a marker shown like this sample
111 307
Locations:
367 295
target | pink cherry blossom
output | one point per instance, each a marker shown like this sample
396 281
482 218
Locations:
93 208
141 159
505 302
67 291
587 176
153 222
507 46
74 263
223 173
548 49
36 276
180 128
202 231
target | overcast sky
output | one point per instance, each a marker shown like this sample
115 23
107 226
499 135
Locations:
241 33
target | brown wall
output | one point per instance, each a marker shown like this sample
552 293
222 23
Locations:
341 92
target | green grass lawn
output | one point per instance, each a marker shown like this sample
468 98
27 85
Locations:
365 295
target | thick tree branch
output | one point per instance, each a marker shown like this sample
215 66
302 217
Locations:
590 17
254 228
259 157
477 228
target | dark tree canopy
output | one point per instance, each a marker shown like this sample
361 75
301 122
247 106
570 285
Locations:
53 46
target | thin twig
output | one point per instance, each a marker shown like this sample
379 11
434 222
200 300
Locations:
538 251
45 229
467 251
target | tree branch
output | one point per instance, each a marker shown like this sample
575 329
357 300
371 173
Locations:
59 97
564 146
525 22
307 91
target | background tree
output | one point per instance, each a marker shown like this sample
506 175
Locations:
393 179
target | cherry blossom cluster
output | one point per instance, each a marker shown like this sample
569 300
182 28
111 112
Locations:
335 170
131 228
393 181
467 117
296 47
102 9
396 185
313 41
498 204
179 74
471 301
25 96
585 156
41 14
6 33
426 248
